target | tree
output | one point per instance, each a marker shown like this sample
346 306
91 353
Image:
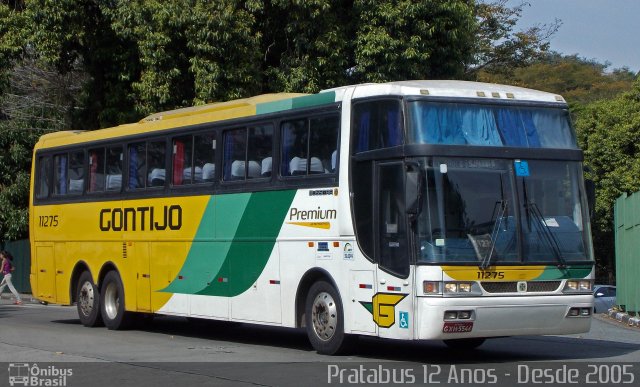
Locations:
578 80
399 40
498 48
609 133
87 64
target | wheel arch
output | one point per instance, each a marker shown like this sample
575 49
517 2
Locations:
80 267
308 279
107 267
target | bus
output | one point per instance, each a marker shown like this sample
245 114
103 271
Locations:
413 210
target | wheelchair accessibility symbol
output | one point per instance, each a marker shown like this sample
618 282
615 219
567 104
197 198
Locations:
404 319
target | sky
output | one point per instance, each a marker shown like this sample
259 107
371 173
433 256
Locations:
604 30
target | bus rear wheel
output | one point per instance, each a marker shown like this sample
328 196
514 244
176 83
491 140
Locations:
88 301
324 319
112 303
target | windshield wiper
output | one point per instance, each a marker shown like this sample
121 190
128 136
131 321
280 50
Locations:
486 260
532 208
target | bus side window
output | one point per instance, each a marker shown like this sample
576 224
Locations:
204 157
182 161
235 152
294 148
114 169
137 165
76 172
260 151
323 144
377 125
156 157
60 174
96 170
44 176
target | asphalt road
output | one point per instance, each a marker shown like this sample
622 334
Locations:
172 350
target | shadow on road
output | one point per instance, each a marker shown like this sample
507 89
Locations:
499 350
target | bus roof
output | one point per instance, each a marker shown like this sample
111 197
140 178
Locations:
452 89
270 103
177 118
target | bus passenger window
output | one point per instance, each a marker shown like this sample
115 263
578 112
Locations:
235 150
323 144
204 155
60 174
137 165
182 161
114 169
76 172
96 170
377 125
294 148
156 159
44 176
260 151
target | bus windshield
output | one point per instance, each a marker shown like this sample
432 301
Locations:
489 125
488 211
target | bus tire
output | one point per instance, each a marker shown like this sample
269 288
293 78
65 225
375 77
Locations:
324 319
112 302
465 343
88 301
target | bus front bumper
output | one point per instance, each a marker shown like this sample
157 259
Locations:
503 316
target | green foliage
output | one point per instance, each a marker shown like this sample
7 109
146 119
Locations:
86 64
498 48
311 50
404 39
11 40
578 80
609 133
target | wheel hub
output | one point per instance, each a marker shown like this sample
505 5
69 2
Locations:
324 316
111 301
86 299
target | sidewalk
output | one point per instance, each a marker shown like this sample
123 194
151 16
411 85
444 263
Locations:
8 299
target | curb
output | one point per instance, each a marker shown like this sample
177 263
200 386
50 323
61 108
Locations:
620 318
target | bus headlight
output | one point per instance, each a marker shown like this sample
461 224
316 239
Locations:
450 288
461 289
578 286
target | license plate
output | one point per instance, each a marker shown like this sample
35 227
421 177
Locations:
457 327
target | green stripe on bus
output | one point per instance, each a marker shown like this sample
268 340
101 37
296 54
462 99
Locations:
247 228
253 244
211 244
296 103
554 273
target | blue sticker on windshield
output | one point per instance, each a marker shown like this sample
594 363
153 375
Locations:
522 168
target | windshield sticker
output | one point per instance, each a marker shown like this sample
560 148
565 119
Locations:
522 168
551 222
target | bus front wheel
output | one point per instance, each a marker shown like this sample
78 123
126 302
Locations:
324 319
112 302
88 301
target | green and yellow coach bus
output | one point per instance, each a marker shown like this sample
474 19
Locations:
406 210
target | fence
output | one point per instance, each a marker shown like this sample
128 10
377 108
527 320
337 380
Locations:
21 251
627 234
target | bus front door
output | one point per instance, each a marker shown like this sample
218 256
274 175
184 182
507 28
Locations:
393 301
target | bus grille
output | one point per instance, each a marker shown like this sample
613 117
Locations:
512 286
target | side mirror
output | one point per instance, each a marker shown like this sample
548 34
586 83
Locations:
599 294
414 186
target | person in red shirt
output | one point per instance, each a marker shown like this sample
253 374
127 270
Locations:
7 268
